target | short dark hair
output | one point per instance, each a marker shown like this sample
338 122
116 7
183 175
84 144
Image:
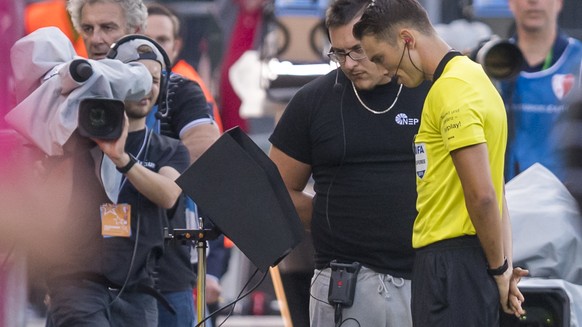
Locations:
382 16
161 10
342 12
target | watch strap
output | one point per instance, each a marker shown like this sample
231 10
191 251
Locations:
499 270
126 168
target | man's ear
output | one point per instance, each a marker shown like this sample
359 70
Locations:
178 44
407 37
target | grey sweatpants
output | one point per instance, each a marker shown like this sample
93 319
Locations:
380 300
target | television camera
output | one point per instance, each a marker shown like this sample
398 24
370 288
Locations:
501 58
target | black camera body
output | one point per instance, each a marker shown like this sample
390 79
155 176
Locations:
101 118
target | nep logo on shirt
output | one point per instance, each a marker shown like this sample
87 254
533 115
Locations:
402 119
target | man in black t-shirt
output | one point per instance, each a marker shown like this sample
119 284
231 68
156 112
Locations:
352 132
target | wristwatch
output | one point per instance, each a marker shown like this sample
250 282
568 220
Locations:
127 167
500 270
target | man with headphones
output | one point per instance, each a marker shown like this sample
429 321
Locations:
352 130
138 171
183 112
164 26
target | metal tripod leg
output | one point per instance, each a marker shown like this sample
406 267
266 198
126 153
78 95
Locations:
201 283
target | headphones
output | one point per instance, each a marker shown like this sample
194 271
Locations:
162 100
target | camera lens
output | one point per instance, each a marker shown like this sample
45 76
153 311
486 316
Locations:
503 60
101 118
500 58
97 117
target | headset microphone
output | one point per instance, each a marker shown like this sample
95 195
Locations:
406 42
337 86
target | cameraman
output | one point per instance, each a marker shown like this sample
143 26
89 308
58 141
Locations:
117 290
535 99
185 115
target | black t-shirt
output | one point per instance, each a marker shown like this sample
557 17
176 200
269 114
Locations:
82 249
363 167
185 103
158 151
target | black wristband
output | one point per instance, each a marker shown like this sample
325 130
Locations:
500 270
127 167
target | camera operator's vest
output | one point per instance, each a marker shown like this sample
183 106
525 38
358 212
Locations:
53 13
536 102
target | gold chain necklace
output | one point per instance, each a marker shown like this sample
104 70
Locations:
372 110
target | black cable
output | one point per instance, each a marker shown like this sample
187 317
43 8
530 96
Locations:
132 261
412 62
138 224
134 252
313 282
341 160
338 315
348 319
239 297
133 255
339 319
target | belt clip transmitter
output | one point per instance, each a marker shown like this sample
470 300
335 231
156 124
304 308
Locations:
342 283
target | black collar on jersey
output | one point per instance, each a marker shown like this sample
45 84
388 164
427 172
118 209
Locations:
441 67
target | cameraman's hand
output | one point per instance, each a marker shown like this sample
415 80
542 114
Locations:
115 149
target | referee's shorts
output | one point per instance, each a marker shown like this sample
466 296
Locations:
451 287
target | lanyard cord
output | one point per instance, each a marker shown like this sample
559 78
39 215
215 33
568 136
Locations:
548 60
144 145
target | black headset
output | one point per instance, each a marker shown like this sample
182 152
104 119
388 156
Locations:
164 81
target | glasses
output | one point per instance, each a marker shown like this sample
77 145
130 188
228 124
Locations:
356 54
